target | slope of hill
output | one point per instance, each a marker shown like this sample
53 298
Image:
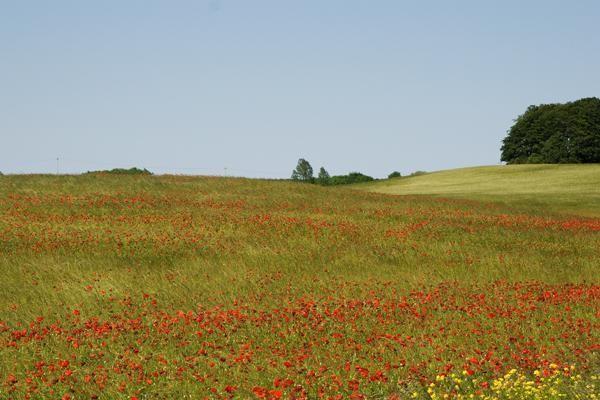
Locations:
562 188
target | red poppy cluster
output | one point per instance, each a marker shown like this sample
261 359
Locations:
323 346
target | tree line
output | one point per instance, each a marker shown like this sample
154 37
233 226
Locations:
555 133
304 173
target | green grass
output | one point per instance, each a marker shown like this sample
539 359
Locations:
543 188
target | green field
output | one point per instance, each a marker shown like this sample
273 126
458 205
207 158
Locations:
160 287
536 188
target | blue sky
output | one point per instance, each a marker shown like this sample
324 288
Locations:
196 86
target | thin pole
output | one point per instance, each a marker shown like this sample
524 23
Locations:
56 165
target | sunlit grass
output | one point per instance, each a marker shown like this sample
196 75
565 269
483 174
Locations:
536 188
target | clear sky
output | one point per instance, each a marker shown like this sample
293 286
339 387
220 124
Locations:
196 86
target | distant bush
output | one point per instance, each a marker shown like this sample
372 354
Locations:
352 177
417 173
123 171
394 174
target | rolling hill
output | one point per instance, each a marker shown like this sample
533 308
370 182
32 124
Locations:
573 189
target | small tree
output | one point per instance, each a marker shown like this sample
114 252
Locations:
394 174
323 177
303 171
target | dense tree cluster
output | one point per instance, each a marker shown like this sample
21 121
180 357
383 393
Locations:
555 133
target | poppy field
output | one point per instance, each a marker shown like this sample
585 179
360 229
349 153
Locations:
160 287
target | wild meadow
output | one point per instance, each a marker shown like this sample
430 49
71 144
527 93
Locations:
165 287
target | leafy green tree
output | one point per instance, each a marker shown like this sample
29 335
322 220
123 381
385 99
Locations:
555 133
303 171
394 174
323 178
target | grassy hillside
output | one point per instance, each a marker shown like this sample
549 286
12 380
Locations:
554 188
159 287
